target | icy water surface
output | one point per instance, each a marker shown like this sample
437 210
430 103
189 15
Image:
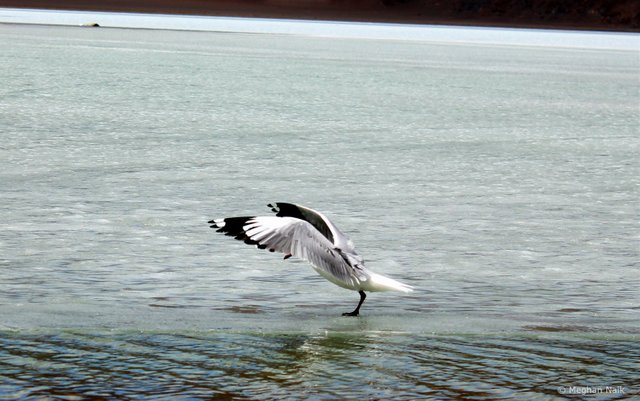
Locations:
500 181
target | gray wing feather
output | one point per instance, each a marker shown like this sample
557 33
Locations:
301 239
318 221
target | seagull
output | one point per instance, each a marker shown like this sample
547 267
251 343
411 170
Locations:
309 235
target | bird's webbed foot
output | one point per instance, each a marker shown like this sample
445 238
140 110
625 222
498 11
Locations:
356 311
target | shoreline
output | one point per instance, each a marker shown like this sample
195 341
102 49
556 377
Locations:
398 12
449 34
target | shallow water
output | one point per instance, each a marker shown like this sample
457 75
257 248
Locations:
245 365
501 181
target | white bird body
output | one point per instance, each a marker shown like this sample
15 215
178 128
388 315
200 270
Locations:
309 235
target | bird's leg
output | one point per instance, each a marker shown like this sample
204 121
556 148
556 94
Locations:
356 311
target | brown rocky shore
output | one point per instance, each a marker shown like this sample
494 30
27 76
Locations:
609 15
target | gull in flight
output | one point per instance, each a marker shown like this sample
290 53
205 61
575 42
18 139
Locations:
307 234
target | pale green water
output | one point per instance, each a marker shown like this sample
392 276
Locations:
501 181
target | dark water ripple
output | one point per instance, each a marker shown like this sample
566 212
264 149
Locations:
151 365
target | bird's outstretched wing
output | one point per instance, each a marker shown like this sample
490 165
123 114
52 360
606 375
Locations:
292 236
317 220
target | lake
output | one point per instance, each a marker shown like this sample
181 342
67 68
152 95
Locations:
500 180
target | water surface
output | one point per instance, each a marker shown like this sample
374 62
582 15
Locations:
501 181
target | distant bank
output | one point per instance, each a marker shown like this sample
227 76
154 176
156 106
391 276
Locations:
608 15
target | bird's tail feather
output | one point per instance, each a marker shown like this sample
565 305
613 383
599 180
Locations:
378 282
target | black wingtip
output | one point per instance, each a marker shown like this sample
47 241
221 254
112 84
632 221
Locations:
274 207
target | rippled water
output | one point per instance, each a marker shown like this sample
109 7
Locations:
303 366
501 181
